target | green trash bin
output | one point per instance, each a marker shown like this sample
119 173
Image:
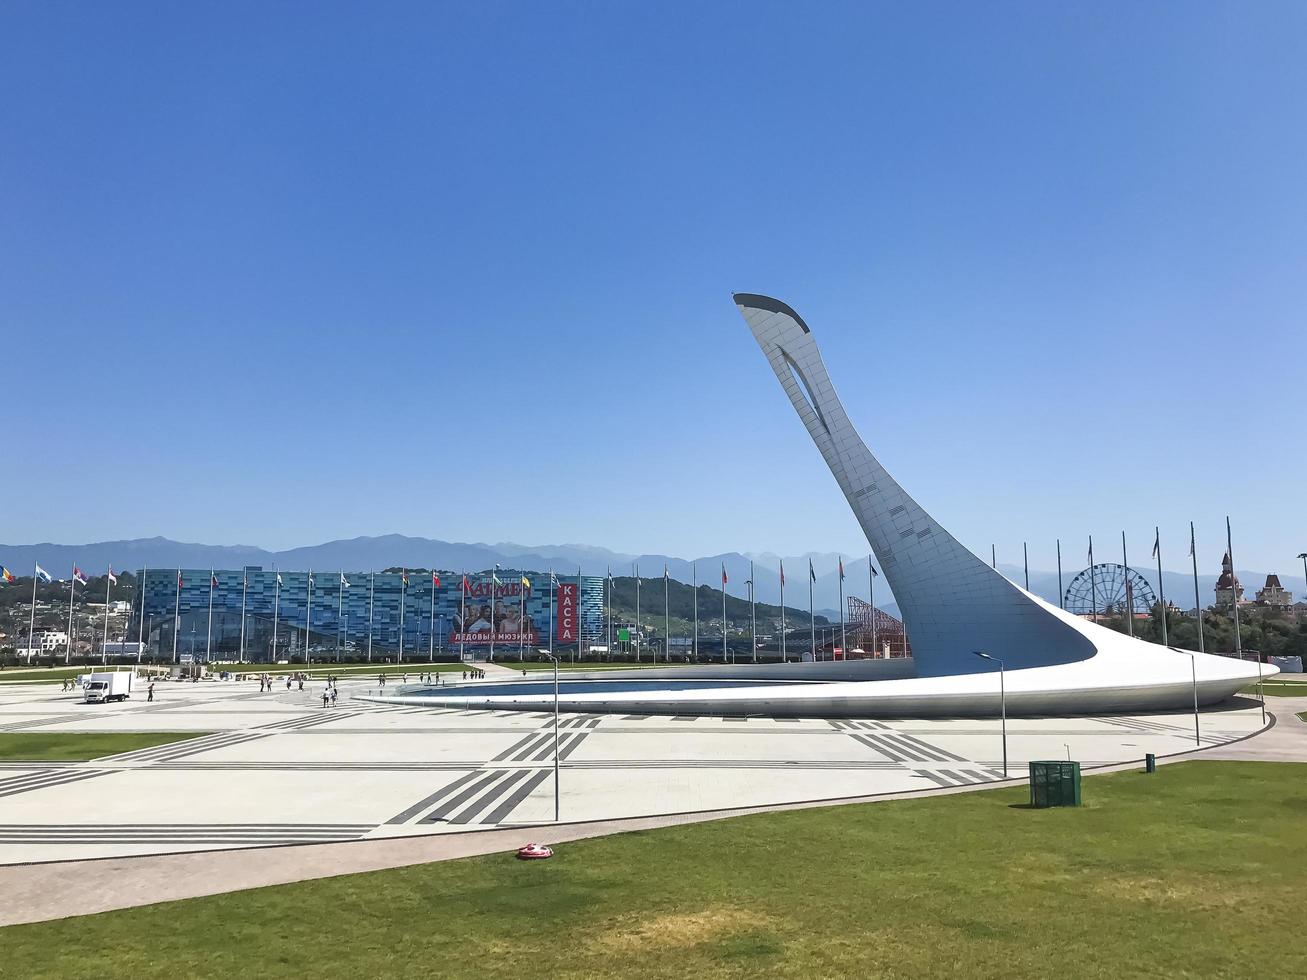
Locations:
1054 783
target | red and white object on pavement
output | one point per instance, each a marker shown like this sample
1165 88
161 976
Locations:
535 852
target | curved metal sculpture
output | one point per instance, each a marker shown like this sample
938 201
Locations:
953 603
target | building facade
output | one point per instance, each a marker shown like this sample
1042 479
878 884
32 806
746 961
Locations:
1228 589
272 615
1274 597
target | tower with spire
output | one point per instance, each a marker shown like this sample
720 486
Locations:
1228 589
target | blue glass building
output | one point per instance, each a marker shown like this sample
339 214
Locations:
350 614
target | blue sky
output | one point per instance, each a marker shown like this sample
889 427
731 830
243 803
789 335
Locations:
278 273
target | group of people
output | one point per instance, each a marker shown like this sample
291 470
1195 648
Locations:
476 674
266 681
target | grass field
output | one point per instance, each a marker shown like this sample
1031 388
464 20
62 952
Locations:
1197 870
1279 689
79 746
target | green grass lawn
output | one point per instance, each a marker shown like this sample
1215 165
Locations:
1279 689
1198 870
79 746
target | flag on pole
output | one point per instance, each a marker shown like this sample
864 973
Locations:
1157 542
213 579
344 582
404 576
435 580
467 586
310 578
5 574
665 575
841 569
42 574
179 578
279 578
812 575
874 573
1191 542
78 577
113 579
782 573
724 579
526 583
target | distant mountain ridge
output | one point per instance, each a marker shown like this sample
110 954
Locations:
391 550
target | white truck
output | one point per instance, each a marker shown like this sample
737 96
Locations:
106 686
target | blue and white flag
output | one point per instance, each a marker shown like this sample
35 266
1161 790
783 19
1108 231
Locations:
42 574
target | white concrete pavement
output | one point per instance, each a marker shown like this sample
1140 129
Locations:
279 768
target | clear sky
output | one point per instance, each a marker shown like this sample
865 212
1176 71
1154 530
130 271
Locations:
278 273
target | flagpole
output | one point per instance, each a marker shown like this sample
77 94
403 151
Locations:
431 639
1161 589
462 619
1198 604
140 629
104 647
494 587
1061 602
1234 602
1093 586
753 614
208 640
340 609
176 615
637 612
1025 562
578 616
723 612
812 616
783 658
667 620
871 596
72 591
276 608
308 612
553 588
521 620
844 642
694 575
1129 594
608 607
31 616
372 591
245 587
403 596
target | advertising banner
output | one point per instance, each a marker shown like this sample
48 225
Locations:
569 613
498 608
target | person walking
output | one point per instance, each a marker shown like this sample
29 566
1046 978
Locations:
325 697
149 692
333 697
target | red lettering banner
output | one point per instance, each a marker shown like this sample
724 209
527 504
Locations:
569 613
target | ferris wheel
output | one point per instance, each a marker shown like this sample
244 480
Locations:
1108 589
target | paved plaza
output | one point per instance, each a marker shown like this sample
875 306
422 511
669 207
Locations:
278 768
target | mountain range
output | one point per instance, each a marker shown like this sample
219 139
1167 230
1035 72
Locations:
395 550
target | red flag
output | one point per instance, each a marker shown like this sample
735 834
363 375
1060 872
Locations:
724 574
179 578
466 586
435 580
213 580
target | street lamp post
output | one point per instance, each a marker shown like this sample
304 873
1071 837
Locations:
1193 674
556 797
1002 694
